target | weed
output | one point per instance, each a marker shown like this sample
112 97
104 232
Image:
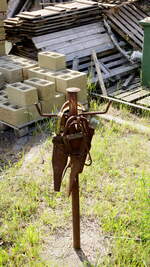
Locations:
116 188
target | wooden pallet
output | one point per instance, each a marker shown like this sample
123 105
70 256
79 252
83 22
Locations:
125 21
54 18
144 102
135 93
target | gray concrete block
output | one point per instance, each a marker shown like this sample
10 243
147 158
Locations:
52 61
1 80
24 63
47 106
59 100
45 89
32 113
73 79
37 72
22 94
13 114
2 47
3 5
11 72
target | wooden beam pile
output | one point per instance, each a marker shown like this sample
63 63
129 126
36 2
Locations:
53 18
3 10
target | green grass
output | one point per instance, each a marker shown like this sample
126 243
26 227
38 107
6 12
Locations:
116 187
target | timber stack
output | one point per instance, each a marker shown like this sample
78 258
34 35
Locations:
53 19
3 10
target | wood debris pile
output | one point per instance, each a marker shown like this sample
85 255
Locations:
53 18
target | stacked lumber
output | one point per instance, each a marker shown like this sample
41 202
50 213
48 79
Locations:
3 10
53 18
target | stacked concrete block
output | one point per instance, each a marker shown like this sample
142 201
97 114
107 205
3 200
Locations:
45 89
24 63
52 61
13 114
1 80
73 79
59 100
11 72
46 83
3 6
3 10
44 73
3 96
38 73
22 94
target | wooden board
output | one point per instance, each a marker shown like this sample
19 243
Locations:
125 21
144 102
136 96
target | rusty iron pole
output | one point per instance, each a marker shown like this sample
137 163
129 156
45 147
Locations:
73 111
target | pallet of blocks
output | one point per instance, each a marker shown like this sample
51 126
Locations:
28 82
3 10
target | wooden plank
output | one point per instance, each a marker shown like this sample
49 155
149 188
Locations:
128 14
69 39
94 27
130 88
86 52
128 93
126 36
124 31
87 44
122 70
138 10
99 73
127 29
134 26
116 63
145 101
133 12
136 96
110 58
77 45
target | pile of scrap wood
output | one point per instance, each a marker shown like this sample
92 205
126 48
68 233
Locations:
52 19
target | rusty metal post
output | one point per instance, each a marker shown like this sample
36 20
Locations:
72 97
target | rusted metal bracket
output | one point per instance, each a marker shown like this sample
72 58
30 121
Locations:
74 141
90 113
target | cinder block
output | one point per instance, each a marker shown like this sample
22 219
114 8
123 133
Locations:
2 47
3 15
73 79
1 80
24 63
32 113
2 99
3 94
11 72
59 100
3 5
1 23
22 94
47 106
44 74
46 89
37 72
2 33
13 114
52 61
